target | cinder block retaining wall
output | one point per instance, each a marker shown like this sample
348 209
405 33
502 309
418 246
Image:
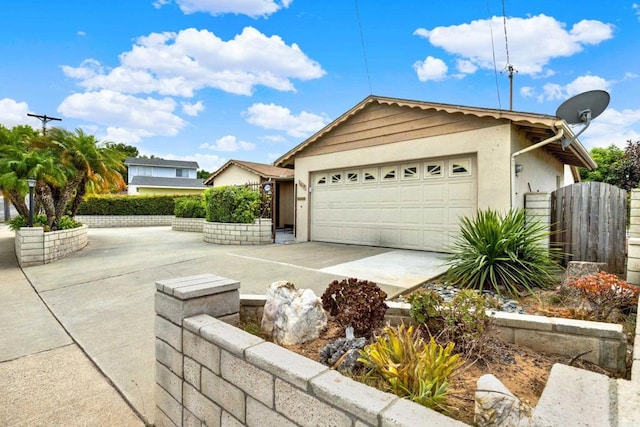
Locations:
193 225
222 233
633 248
211 373
35 247
605 342
111 221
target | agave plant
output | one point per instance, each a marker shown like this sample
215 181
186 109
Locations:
410 366
503 253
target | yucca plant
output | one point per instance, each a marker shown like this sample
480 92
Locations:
411 367
502 252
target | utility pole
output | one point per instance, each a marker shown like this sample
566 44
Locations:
44 119
511 70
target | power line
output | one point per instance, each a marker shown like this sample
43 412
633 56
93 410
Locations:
44 119
509 67
493 52
364 51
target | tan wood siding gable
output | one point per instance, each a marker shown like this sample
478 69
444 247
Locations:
382 124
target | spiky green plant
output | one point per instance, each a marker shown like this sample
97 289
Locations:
410 366
502 252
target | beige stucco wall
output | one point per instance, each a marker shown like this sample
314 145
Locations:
491 145
233 175
543 173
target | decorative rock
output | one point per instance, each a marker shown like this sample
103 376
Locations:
292 316
496 406
332 353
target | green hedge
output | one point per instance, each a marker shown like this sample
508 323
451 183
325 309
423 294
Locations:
128 205
190 207
232 204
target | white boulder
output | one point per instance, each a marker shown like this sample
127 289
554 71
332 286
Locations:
292 316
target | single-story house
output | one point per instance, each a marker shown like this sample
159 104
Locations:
399 173
159 176
239 172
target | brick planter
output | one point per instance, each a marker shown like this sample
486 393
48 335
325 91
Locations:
113 221
193 225
35 247
222 233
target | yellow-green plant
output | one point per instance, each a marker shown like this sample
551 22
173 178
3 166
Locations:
410 366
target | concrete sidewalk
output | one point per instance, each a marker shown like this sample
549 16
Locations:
104 294
44 376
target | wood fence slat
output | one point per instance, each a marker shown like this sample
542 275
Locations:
589 223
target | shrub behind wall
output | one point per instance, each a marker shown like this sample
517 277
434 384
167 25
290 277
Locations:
127 205
190 207
232 204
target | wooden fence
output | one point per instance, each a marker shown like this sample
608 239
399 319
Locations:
588 222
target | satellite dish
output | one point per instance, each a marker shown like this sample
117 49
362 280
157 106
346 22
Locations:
582 108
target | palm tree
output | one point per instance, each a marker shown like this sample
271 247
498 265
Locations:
92 167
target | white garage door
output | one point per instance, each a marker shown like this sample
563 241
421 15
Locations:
412 205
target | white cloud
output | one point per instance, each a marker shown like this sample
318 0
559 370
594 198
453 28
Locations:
252 8
192 109
81 33
179 64
14 113
229 143
465 66
431 69
273 156
636 8
274 138
533 41
271 116
208 162
612 127
554 92
127 117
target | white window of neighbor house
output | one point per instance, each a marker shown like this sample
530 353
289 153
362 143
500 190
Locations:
182 173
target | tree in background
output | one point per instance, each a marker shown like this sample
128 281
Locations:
615 166
66 165
203 174
127 151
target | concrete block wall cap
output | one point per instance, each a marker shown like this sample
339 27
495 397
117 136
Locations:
359 399
249 300
230 338
285 364
160 284
198 286
195 323
584 327
403 412
522 321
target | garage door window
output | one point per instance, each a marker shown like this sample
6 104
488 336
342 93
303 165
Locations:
336 178
370 175
433 170
461 167
353 177
389 173
321 180
410 172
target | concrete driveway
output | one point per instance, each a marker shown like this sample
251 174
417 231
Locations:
103 295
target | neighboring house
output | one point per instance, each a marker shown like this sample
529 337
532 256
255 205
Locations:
400 173
159 176
238 172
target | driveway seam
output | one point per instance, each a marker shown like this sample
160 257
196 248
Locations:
41 351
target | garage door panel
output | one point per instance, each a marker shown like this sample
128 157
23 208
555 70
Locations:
416 212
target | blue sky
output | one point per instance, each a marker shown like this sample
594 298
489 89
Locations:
213 80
